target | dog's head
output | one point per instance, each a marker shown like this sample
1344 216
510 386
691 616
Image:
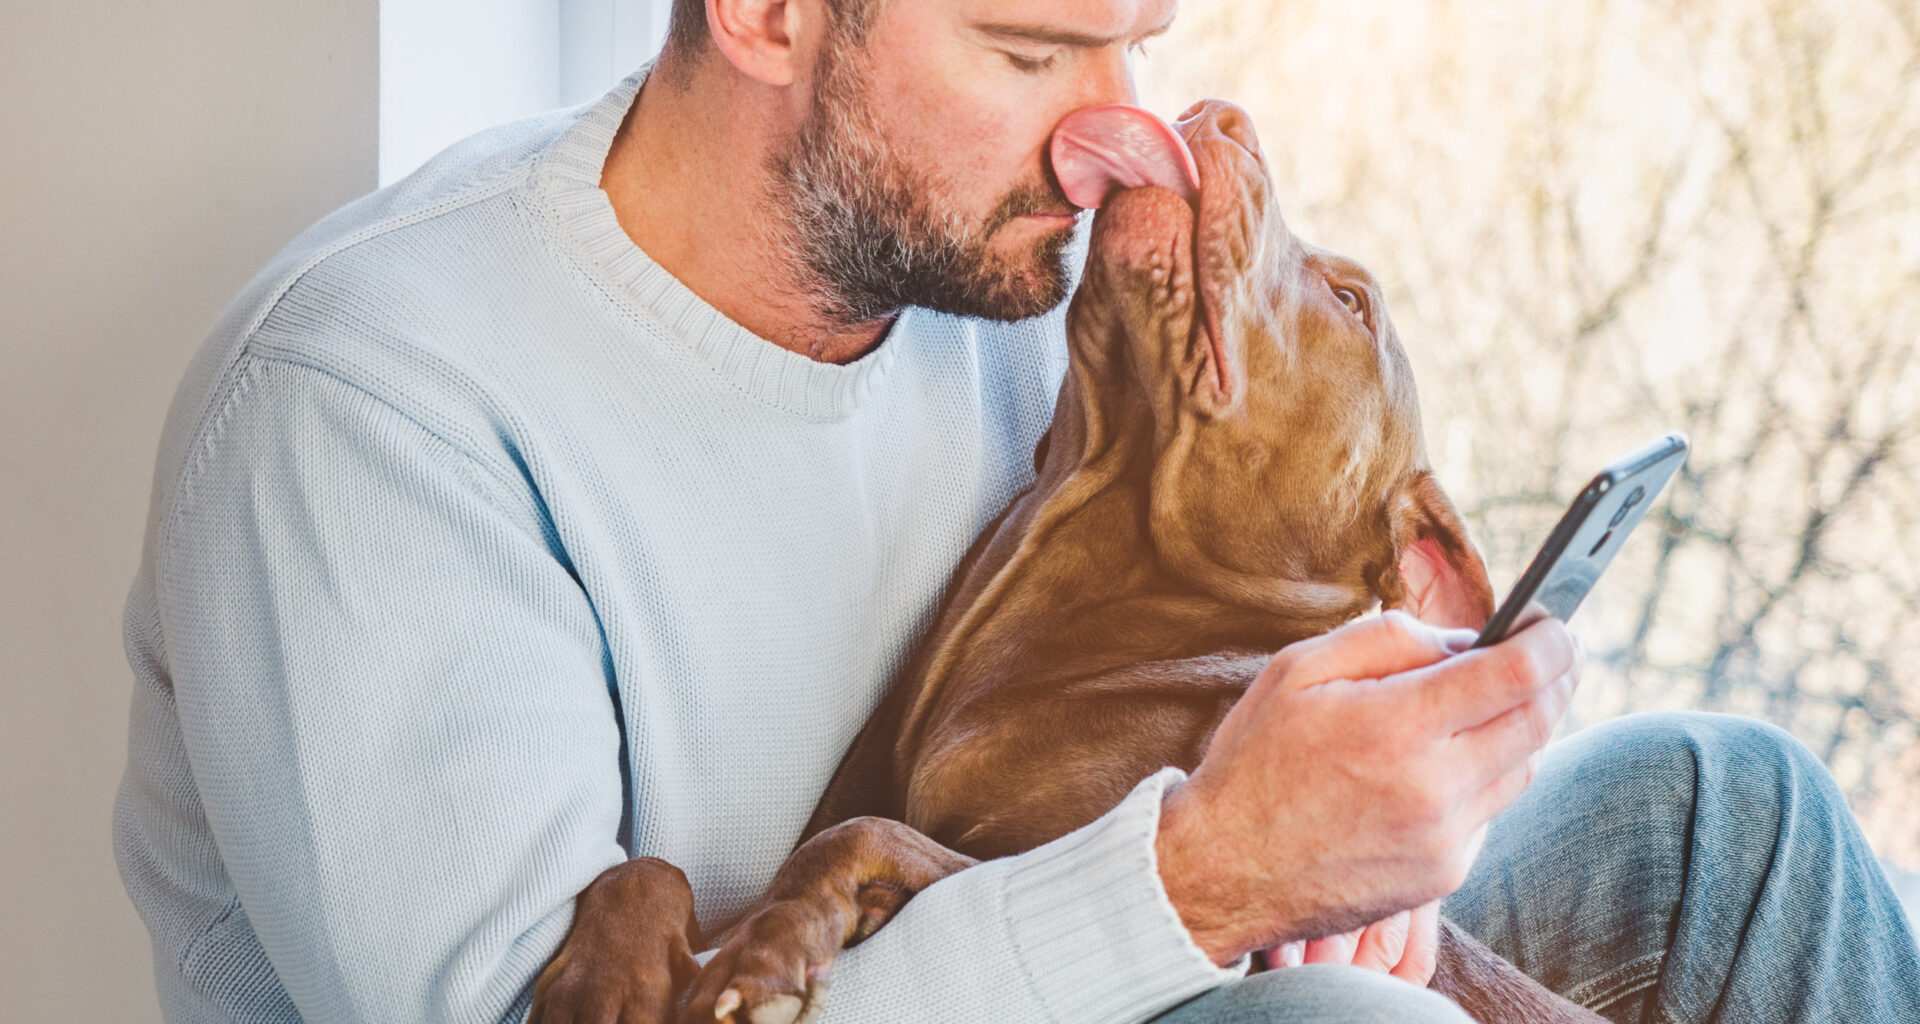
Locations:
1287 465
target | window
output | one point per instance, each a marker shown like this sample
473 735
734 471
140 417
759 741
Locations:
1604 219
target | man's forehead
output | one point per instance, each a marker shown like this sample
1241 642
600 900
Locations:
1087 23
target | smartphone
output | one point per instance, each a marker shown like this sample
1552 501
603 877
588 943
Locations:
1587 538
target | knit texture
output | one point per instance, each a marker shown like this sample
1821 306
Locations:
483 554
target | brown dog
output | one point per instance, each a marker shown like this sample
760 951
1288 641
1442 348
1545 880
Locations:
1235 463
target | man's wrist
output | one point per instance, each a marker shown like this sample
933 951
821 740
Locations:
1195 880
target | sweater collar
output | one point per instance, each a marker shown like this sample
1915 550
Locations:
566 180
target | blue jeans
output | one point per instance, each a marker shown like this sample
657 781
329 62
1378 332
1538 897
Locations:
1665 868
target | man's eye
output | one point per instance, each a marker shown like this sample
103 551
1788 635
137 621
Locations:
1028 64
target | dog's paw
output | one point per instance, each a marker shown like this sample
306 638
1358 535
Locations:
774 968
629 953
643 988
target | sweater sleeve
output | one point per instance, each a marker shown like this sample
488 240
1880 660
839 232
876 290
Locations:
396 708
393 698
1079 931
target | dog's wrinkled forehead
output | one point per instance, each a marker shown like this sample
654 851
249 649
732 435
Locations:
1285 441
1225 314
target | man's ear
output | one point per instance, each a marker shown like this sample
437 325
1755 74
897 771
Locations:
1436 575
759 37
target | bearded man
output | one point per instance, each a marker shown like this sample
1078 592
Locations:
574 499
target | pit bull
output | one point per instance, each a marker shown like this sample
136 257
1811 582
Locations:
1235 463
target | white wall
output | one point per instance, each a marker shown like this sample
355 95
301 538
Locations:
603 41
444 76
449 70
156 155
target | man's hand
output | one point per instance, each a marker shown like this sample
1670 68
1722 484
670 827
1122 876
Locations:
1356 777
1403 945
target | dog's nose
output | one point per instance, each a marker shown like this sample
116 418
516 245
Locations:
1236 125
1210 117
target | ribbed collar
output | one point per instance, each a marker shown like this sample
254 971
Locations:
566 180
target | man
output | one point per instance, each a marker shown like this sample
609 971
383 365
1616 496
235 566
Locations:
574 500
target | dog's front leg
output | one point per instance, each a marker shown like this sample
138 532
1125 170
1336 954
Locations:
836 889
1493 991
629 953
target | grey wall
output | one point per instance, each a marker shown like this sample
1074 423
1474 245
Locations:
152 158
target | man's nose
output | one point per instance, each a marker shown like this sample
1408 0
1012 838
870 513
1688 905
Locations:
1108 79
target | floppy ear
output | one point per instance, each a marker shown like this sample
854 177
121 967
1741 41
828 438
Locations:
1436 575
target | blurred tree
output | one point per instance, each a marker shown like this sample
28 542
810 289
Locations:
1602 219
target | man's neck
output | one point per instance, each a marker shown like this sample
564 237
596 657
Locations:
689 179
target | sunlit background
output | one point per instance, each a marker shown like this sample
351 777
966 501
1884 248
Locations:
1598 220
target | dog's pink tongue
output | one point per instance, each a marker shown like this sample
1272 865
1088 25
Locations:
1098 149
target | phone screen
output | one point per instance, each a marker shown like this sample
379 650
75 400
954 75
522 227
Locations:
1587 537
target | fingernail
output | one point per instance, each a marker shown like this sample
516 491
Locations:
1458 640
1293 954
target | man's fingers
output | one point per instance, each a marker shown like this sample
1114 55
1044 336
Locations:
1383 645
1511 738
1480 685
1423 944
1333 949
1383 943
1500 793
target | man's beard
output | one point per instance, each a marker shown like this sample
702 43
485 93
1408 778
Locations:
865 231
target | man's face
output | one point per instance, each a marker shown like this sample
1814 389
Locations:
920 176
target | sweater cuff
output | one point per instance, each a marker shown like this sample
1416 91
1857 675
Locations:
1092 923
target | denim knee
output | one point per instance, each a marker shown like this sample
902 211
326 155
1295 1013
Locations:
1319 994
1676 733
1688 861
1717 778
1767 763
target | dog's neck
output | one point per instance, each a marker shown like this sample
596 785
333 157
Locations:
1095 493
1072 566
1104 595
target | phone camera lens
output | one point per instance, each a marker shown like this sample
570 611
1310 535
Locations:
1633 498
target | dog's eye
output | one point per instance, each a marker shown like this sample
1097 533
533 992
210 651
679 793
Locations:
1350 299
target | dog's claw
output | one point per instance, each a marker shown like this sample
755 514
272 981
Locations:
785 1008
780 1009
817 985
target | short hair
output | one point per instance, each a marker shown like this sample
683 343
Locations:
686 26
687 23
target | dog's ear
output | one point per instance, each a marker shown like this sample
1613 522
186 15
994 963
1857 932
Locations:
1437 576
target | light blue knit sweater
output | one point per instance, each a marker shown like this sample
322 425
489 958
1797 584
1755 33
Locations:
483 554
